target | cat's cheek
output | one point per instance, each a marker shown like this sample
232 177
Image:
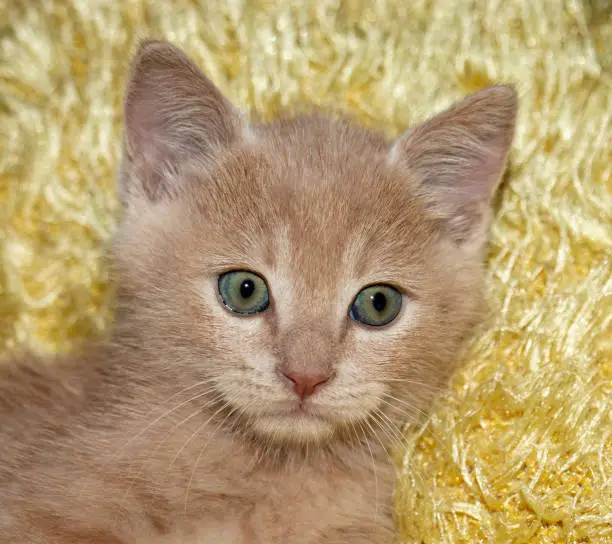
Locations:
374 358
375 350
249 382
355 392
236 333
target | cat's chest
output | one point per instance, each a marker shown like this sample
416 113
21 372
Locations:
299 504
218 490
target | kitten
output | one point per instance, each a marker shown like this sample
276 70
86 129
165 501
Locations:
289 295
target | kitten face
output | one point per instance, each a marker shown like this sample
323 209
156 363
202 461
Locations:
307 213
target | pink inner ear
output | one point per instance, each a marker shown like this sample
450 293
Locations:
479 181
461 195
172 112
458 156
144 131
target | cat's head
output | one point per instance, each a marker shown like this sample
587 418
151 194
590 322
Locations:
312 276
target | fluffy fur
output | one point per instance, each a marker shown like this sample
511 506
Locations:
178 427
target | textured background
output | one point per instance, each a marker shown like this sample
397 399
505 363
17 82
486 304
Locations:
521 450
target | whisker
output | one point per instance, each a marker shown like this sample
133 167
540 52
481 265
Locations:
410 416
353 429
441 440
122 448
382 445
407 404
421 384
395 437
197 431
374 471
401 441
162 416
353 433
133 476
210 437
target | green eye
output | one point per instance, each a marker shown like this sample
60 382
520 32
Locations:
243 292
376 305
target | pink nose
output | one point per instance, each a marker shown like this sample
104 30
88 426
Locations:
305 383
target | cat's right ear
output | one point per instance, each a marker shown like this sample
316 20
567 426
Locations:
173 112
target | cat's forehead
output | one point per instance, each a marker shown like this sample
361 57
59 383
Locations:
312 169
317 137
316 196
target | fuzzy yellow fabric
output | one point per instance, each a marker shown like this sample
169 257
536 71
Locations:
521 450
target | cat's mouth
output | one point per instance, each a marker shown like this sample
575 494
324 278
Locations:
299 409
302 409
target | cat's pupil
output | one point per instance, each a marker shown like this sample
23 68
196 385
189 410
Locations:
379 301
247 287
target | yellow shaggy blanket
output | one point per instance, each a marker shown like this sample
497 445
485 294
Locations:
521 449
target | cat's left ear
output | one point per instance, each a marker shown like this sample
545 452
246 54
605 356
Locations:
457 158
173 113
